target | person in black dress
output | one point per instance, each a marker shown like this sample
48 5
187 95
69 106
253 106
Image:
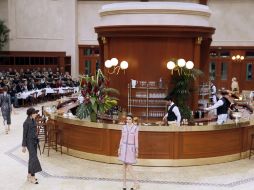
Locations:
6 108
30 142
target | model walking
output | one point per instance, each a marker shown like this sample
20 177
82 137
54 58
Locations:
30 141
6 108
128 150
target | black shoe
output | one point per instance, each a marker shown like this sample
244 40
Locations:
124 188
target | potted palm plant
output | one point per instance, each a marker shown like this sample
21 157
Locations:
96 95
183 88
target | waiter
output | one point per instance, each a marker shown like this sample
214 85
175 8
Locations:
173 115
213 93
222 107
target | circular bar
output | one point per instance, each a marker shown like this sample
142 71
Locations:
158 145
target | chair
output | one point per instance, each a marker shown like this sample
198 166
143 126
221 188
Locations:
30 100
53 137
70 91
251 146
33 98
65 91
42 96
56 94
41 133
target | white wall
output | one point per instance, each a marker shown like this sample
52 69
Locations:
88 18
234 22
4 16
44 25
59 25
4 10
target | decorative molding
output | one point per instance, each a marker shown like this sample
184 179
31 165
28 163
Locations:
104 40
155 11
37 38
17 36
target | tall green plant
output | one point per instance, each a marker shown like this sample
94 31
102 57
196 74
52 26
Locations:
4 34
183 88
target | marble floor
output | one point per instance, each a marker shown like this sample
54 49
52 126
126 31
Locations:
63 172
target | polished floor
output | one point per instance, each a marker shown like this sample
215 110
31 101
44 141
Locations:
63 172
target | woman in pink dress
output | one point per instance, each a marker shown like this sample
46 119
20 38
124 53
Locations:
128 150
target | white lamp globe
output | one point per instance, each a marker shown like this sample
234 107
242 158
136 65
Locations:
114 61
124 65
238 57
108 64
189 65
233 57
181 62
242 58
171 65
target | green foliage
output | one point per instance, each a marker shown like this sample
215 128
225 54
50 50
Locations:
183 87
4 34
96 95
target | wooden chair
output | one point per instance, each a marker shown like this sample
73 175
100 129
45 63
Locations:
70 91
65 92
42 96
53 137
33 98
251 146
56 94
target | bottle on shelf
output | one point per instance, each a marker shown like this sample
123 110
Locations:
160 83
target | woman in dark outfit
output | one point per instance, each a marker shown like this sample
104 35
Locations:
6 108
30 141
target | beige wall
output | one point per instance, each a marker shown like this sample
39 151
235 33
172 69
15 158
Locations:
60 25
4 10
234 22
44 25
88 18
4 16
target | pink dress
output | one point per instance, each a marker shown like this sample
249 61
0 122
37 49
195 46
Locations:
129 144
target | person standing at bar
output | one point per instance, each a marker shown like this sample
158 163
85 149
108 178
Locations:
173 115
128 150
213 93
6 108
222 107
30 142
235 86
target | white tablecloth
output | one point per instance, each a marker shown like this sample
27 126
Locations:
62 90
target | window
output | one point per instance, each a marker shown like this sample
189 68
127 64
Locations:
249 54
224 71
88 51
225 54
249 71
88 67
4 60
212 71
22 60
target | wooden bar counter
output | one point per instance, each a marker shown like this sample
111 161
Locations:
158 145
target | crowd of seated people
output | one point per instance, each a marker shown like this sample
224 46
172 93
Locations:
20 81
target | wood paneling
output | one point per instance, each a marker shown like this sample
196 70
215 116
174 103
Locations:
29 55
208 144
147 49
235 68
159 145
